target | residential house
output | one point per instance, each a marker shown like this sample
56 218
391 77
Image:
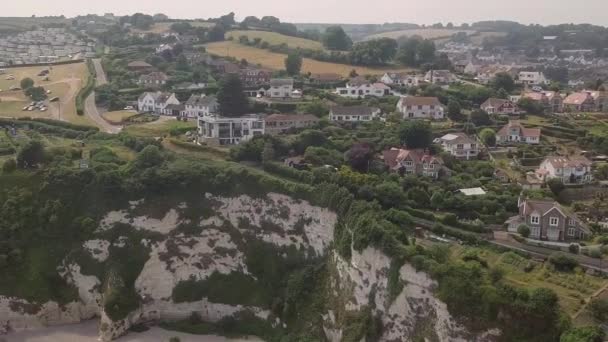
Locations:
139 66
418 107
400 79
353 113
283 123
500 107
515 132
223 67
600 99
172 109
154 79
579 102
548 220
532 78
360 88
325 78
551 101
416 162
156 102
280 88
251 76
459 145
218 130
440 77
471 68
201 105
570 170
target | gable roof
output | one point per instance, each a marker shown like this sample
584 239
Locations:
495 102
458 138
394 156
139 64
279 82
524 132
353 110
419 101
573 161
201 101
577 98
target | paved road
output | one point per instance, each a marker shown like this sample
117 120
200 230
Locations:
91 109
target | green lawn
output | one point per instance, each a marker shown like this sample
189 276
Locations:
158 129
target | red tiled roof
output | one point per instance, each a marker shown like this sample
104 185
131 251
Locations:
577 98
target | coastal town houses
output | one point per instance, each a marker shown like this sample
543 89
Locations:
500 107
284 123
400 79
200 105
416 162
551 101
253 77
417 107
154 79
360 88
583 101
532 78
218 130
459 145
515 132
156 102
569 169
548 220
440 77
281 88
353 113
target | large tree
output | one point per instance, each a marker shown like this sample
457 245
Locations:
336 39
416 134
293 63
503 80
416 51
27 83
231 98
374 52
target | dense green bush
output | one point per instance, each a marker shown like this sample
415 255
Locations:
86 90
563 262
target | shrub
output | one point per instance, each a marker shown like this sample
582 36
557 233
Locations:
562 262
9 166
86 90
573 248
595 253
523 230
599 309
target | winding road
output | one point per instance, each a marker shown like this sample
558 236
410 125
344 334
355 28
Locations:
91 109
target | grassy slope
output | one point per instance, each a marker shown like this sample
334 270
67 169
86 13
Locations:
118 116
277 61
274 38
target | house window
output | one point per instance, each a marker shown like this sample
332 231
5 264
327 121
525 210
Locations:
460 146
571 231
409 164
572 222
553 221
535 219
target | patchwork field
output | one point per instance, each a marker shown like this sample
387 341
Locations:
427 33
276 61
274 38
64 82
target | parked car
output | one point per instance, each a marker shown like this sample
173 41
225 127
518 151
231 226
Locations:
129 108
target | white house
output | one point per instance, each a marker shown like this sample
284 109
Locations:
400 79
353 113
156 102
532 78
459 145
280 88
201 105
575 169
418 107
439 77
218 130
359 89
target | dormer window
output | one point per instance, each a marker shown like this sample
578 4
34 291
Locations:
572 222
535 219
553 221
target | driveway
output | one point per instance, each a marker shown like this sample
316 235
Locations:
91 109
101 75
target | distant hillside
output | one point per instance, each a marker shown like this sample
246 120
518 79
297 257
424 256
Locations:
427 33
20 24
274 38
359 31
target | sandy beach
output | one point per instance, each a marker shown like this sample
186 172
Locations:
87 332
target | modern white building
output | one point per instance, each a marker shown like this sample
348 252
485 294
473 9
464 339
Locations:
440 77
575 169
218 130
356 89
417 107
353 113
401 79
201 105
459 145
156 102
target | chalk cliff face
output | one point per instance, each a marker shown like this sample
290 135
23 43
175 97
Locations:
216 246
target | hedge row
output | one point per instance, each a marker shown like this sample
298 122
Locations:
288 172
86 90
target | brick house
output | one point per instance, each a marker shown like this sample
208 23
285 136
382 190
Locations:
579 102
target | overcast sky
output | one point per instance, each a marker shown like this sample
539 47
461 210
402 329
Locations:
336 11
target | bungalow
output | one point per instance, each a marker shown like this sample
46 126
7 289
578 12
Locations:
515 132
579 102
500 107
416 162
218 130
282 123
417 107
548 220
201 105
570 170
155 102
459 145
532 78
440 77
139 66
353 113
400 79
361 88
153 79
